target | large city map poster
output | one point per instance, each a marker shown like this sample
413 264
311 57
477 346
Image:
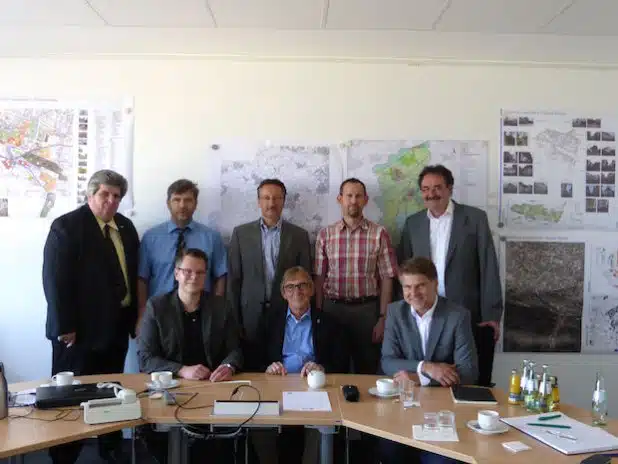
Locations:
49 148
313 173
559 216
390 169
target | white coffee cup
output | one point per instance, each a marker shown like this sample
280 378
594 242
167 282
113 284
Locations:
316 379
164 378
63 378
386 386
488 420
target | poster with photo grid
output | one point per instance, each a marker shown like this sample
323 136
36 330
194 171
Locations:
558 171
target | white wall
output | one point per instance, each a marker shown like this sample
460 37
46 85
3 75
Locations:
182 105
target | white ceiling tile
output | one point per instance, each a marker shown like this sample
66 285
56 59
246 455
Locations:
589 17
49 13
384 14
499 16
274 14
154 13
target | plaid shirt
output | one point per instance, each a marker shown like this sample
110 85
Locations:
353 261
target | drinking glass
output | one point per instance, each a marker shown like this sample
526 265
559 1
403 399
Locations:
406 393
446 421
430 422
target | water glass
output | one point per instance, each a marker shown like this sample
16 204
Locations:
446 421
406 393
430 422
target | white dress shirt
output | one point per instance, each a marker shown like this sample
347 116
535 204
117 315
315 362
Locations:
424 325
439 236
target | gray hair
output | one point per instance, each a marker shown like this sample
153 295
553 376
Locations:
107 177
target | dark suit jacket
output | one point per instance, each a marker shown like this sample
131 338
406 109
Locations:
471 275
450 340
77 287
161 333
245 277
328 341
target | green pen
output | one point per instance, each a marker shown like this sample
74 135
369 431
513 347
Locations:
553 426
553 416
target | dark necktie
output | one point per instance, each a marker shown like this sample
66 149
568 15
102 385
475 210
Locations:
180 243
115 270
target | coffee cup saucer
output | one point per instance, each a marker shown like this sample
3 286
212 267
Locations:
157 385
501 427
374 392
52 383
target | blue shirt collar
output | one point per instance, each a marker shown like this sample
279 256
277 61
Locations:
302 318
171 226
276 226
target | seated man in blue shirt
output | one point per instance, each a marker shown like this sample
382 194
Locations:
300 340
162 244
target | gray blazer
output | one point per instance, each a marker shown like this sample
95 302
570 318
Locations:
450 340
161 333
471 275
245 277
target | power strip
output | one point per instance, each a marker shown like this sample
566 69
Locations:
246 408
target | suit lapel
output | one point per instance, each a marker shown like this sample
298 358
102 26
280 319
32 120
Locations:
315 327
425 243
410 327
437 325
207 332
256 244
457 227
285 244
177 324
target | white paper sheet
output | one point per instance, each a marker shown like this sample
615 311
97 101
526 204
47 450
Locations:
306 401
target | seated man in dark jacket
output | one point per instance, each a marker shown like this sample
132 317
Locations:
190 332
300 340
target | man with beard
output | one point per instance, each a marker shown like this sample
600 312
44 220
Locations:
354 266
458 240
162 244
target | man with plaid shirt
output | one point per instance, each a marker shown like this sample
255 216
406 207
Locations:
355 265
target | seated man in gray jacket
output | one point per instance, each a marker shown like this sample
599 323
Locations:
193 334
426 339
188 331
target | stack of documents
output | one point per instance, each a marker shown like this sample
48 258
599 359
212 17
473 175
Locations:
564 433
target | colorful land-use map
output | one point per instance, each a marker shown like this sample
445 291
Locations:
390 169
36 158
48 149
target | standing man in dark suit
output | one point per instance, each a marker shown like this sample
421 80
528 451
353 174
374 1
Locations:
458 240
299 341
90 283
260 252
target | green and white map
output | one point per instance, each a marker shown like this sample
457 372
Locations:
390 169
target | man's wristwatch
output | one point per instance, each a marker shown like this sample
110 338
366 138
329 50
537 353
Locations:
232 368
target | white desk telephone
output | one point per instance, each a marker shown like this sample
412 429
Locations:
124 407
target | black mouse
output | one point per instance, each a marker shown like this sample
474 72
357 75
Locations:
350 393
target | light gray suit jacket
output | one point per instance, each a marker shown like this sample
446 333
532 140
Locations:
245 277
161 332
471 275
450 340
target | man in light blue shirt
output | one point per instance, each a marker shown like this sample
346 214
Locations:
161 244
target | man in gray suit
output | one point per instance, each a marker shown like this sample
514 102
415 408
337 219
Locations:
427 339
187 331
458 240
259 254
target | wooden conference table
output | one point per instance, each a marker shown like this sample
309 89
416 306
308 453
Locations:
380 417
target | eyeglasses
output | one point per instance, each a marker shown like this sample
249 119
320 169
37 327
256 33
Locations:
190 272
303 286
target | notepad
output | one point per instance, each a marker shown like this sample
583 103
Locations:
472 395
579 438
306 401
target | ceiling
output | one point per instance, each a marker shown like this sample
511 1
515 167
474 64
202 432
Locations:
559 17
